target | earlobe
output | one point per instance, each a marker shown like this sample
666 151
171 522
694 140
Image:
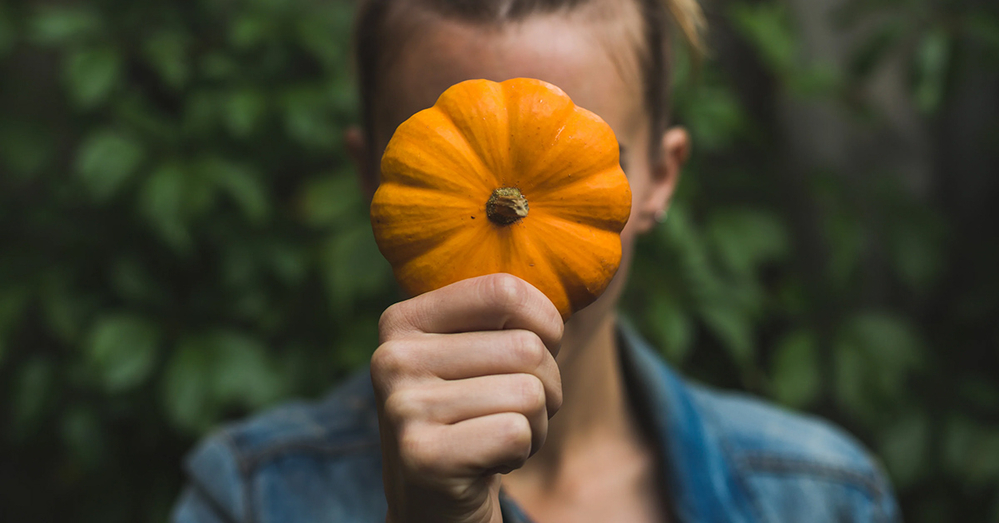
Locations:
357 149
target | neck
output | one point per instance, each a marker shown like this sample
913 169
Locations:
594 408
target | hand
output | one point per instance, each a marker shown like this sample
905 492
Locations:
466 381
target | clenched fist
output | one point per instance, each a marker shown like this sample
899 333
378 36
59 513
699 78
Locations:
466 381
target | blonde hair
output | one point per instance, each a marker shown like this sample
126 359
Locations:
374 38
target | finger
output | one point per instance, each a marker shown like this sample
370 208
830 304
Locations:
469 355
492 302
470 448
450 402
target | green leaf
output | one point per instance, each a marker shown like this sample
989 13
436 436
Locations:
186 386
66 311
8 33
932 61
33 390
876 353
984 28
715 116
83 436
13 303
905 448
249 30
167 53
214 371
91 74
733 329
250 378
161 201
673 326
106 160
971 451
876 47
26 147
241 184
307 120
888 339
218 66
328 200
747 238
767 26
796 375
133 283
122 349
850 375
353 267
54 25
244 110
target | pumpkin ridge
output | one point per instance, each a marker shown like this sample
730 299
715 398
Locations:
539 269
554 166
454 251
514 93
577 292
420 129
484 127
494 177
421 218
602 224
583 248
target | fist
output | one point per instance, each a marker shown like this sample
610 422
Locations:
466 380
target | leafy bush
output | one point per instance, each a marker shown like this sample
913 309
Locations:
184 242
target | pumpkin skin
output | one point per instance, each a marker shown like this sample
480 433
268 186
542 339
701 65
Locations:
436 217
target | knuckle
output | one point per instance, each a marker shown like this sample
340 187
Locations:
391 321
416 453
527 348
532 393
506 290
556 399
390 358
403 406
515 434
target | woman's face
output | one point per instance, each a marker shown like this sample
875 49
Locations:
597 71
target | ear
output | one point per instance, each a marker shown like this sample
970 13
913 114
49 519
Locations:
674 151
360 154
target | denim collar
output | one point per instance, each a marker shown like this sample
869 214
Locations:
701 482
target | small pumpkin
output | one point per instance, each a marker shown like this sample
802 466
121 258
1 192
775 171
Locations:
503 177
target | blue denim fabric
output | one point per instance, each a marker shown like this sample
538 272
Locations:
726 458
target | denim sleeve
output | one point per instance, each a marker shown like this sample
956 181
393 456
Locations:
193 507
216 480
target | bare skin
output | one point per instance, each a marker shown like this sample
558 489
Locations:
466 376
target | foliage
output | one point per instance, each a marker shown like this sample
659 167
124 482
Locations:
184 242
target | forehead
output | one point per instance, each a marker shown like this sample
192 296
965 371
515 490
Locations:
595 64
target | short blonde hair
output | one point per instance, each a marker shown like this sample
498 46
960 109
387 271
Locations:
375 39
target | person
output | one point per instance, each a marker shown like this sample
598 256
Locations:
455 419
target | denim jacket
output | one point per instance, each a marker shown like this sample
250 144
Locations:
726 458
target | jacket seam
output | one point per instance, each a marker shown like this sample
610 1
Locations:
244 473
206 497
863 482
761 463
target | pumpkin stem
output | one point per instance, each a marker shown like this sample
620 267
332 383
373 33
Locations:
506 205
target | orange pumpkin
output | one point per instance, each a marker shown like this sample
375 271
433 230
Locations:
503 177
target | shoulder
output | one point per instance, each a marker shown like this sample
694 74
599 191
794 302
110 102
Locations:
298 459
794 466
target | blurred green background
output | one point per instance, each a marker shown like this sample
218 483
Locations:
182 240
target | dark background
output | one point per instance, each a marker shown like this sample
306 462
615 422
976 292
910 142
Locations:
182 241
